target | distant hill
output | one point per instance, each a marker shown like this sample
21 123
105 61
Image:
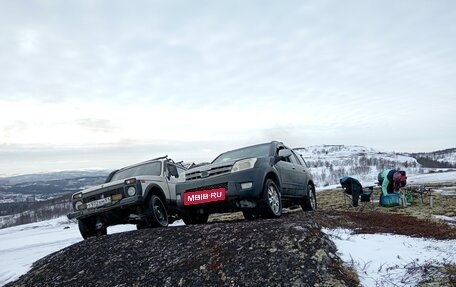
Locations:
35 197
63 182
331 162
57 175
438 159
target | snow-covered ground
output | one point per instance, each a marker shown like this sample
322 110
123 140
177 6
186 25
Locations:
390 260
438 177
22 245
376 257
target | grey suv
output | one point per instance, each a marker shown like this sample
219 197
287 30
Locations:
259 180
143 194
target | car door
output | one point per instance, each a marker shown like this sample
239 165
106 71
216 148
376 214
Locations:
174 174
287 172
301 173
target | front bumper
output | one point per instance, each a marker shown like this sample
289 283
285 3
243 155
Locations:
124 203
235 194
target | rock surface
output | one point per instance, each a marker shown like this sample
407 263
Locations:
289 251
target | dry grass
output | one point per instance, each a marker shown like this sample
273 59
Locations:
442 205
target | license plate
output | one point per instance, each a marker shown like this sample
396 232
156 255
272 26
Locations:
99 202
204 196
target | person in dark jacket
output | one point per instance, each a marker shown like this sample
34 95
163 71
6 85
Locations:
353 187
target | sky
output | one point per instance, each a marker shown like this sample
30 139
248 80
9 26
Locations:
102 84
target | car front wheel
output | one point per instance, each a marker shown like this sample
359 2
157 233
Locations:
86 228
159 216
271 203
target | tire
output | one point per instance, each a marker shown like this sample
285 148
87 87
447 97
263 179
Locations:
190 217
159 215
271 203
309 202
86 228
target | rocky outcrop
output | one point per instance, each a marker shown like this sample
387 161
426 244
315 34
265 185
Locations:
289 251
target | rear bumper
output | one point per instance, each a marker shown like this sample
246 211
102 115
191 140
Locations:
124 203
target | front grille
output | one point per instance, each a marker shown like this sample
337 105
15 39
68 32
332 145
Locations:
105 193
214 186
215 171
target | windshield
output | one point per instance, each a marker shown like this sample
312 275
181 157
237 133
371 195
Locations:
251 151
152 168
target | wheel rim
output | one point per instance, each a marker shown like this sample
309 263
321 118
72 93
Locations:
160 213
274 201
312 197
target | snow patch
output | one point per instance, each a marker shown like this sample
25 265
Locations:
384 259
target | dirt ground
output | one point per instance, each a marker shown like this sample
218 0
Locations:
418 219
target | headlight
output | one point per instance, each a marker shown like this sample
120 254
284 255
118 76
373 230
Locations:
131 191
244 164
77 195
78 204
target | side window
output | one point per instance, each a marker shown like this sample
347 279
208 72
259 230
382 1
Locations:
300 159
181 173
294 159
304 162
175 172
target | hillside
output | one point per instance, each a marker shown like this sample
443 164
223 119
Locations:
331 162
291 249
35 197
442 158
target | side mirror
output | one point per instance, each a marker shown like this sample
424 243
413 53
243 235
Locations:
285 153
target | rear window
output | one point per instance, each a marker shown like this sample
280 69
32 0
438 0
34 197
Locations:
152 168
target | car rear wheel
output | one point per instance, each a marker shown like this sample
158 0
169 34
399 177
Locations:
271 203
159 216
310 201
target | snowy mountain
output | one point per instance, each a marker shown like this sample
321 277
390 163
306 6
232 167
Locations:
331 162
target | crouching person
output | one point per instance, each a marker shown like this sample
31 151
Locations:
391 180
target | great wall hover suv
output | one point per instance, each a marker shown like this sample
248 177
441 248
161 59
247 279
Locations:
258 180
143 194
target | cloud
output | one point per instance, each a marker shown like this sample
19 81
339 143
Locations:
224 74
96 125
15 127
